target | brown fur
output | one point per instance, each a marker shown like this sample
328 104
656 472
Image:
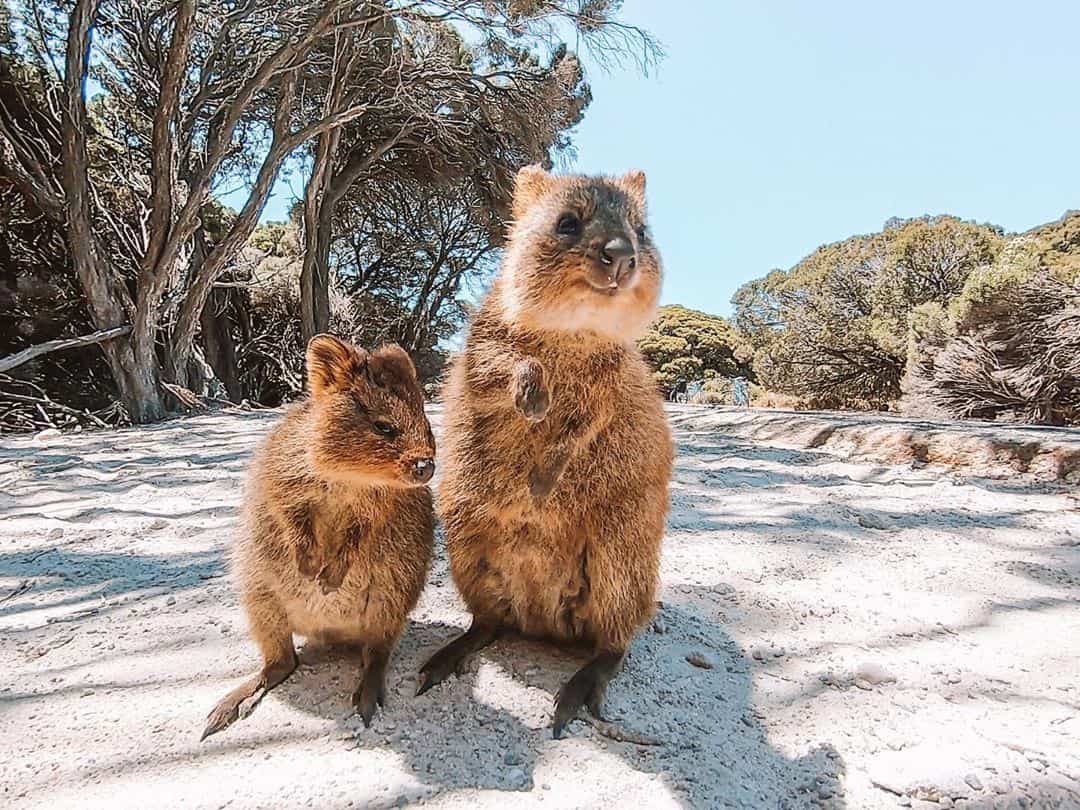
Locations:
338 528
557 453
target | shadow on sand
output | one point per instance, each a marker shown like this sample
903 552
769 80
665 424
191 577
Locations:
712 750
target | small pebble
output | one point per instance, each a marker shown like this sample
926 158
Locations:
874 674
872 521
973 781
699 660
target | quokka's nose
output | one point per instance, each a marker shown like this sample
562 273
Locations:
617 249
619 258
423 470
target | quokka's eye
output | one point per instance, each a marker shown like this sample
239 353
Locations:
641 233
384 428
568 225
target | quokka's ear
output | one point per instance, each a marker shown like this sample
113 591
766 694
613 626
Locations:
333 363
390 367
633 183
531 183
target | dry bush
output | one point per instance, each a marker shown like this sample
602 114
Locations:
1018 359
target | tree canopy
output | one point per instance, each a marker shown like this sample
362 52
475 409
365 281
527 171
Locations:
684 345
935 316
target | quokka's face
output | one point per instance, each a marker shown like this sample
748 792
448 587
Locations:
370 425
580 256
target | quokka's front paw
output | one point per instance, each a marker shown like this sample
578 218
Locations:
331 575
546 475
531 395
308 564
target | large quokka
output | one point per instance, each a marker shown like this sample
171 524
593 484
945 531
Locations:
557 453
338 523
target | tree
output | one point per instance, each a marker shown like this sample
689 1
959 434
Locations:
834 328
217 84
684 345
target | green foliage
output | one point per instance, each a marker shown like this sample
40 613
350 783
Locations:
276 239
683 345
834 329
940 316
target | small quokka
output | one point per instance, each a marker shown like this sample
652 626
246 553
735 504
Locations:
338 525
557 453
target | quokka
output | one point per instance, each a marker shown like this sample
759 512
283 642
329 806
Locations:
338 522
557 453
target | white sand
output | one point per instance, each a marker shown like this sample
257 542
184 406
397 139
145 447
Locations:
808 582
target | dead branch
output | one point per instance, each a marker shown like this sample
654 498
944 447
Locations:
28 354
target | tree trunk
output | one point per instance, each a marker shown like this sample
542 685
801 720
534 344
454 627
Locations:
135 374
318 209
214 323
210 268
315 276
324 190
218 342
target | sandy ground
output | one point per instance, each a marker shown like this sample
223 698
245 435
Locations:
872 636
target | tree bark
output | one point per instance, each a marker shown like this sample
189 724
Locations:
315 275
218 342
156 269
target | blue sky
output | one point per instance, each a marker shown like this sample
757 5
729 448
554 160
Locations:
773 127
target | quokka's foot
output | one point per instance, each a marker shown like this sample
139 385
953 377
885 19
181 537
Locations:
223 715
242 700
371 694
585 689
368 698
447 661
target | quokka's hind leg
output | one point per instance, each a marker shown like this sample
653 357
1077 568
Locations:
371 693
447 661
585 688
271 631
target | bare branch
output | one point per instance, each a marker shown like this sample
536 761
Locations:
13 360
